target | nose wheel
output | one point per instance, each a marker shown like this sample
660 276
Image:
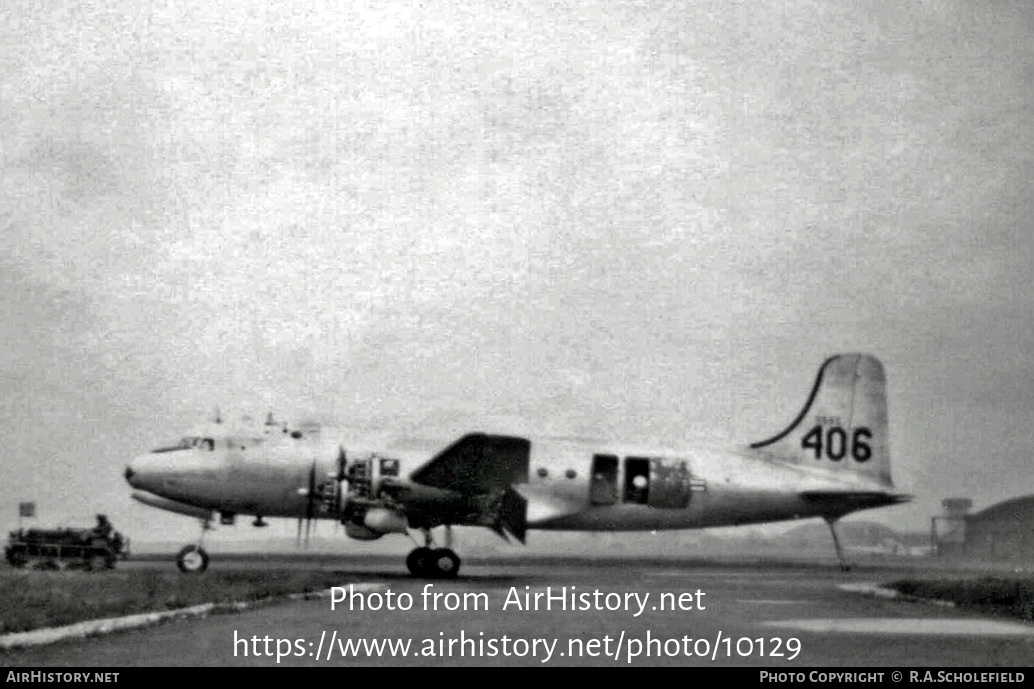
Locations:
192 558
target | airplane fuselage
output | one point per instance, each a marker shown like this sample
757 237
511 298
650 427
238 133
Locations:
831 460
570 485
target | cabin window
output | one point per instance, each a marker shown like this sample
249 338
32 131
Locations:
208 444
389 467
543 472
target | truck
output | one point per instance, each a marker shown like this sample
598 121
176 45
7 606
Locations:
95 549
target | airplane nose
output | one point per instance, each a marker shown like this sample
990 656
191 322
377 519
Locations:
141 472
129 475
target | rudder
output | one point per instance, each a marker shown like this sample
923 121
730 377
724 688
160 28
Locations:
843 425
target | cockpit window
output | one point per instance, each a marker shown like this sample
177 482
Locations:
196 442
188 442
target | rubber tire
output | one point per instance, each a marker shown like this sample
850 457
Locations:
444 563
419 562
192 559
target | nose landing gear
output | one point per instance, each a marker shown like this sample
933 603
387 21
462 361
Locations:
193 558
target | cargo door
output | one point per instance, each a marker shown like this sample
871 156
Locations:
669 483
603 489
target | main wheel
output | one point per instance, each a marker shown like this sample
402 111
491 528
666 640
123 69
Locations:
444 563
192 558
419 562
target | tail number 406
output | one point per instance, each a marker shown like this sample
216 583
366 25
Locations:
834 443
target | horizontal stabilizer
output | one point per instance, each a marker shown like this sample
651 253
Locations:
839 503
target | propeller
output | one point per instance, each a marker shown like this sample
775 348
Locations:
310 506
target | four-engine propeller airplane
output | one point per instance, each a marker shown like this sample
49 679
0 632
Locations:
831 460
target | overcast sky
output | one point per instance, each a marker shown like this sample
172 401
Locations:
643 221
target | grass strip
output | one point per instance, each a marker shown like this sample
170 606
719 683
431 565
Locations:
1012 597
37 599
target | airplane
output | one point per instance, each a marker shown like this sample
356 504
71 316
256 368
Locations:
831 460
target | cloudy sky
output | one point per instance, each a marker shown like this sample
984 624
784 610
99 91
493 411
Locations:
638 220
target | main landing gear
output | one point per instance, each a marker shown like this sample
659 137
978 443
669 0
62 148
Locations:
193 558
429 562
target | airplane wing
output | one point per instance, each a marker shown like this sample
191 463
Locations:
472 480
477 463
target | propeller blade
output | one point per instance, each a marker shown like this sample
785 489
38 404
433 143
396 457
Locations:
310 504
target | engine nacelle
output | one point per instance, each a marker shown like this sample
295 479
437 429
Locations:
374 523
384 520
360 532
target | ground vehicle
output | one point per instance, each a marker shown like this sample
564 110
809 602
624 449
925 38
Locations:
93 549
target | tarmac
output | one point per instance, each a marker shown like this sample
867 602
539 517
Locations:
740 612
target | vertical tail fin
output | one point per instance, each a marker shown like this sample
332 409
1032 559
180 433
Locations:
843 425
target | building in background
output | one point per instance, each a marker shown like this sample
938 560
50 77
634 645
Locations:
1002 532
948 530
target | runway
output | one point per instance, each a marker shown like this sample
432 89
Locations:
776 615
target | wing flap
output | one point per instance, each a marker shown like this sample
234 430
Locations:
512 516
